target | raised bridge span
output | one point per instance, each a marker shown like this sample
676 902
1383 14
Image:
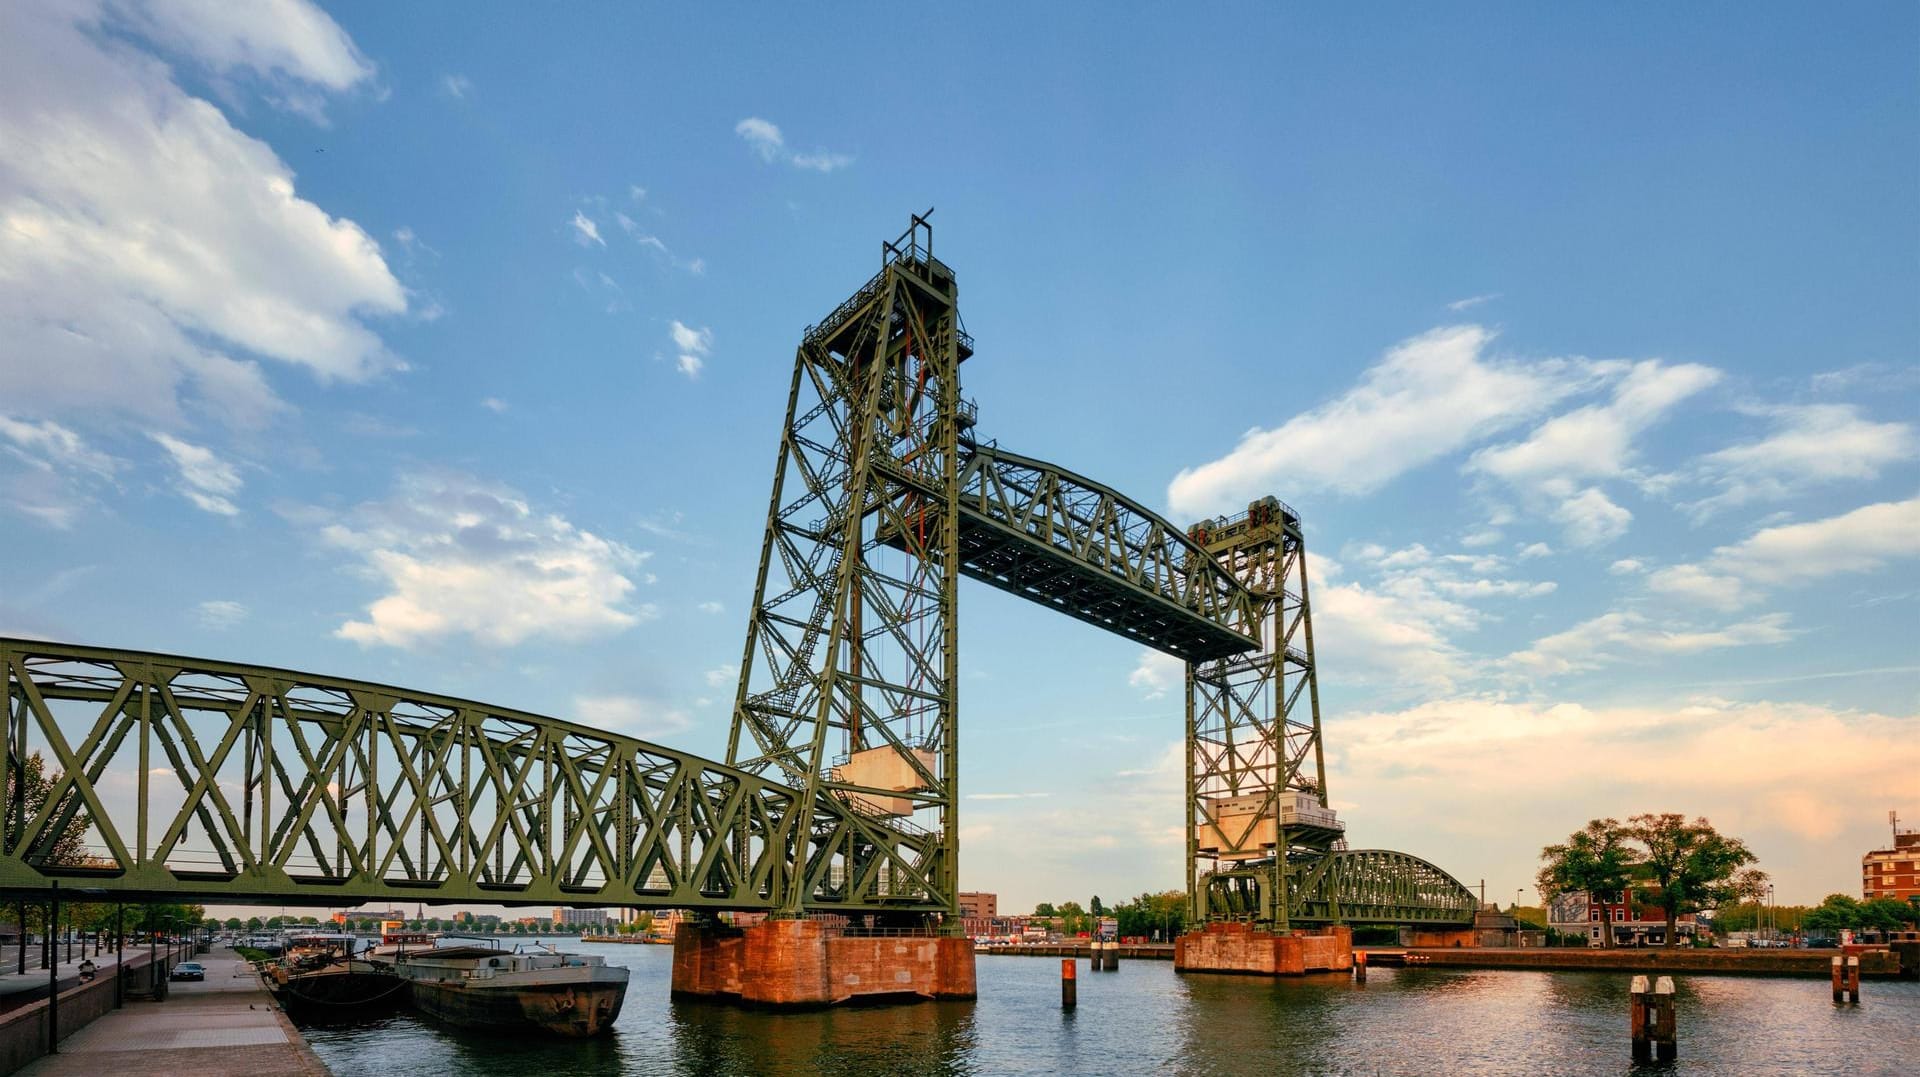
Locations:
191 778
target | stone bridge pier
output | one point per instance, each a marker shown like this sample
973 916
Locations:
803 964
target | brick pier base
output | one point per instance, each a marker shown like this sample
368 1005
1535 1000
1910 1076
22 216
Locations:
1239 948
795 963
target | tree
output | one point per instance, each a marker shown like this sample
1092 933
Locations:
234 923
1071 914
1094 907
1695 866
1045 908
24 804
253 924
1596 859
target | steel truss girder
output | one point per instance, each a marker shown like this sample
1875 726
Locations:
1070 543
190 778
1377 886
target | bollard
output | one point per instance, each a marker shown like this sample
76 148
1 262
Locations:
1113 956
1853 978
1360 966
1665 1043
1067 984
1839 979
1637 1022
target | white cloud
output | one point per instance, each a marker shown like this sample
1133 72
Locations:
1535 549
1809 445
203 478
57 471
143 238
456 86
762 136
1626 566
1859 541
636 192
1591 518
1396 633
220 613
693 345
1155 674
585 232
494 404
1427 397
1804 784
285 42
1698 586
1485 537
720 676
633 716
1550 466
821 161
457 556
765 139
1473 301
712 608
1863 540
1613 637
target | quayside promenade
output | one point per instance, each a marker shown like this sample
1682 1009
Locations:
226 1026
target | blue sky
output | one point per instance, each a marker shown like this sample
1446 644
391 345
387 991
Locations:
1585 342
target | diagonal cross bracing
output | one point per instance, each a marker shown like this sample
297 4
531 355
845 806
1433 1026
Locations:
188 778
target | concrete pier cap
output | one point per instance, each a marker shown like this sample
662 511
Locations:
804 964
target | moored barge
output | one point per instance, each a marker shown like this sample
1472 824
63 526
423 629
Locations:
483 987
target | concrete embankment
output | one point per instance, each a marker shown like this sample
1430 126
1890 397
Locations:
1149 951
227 1026
1653 960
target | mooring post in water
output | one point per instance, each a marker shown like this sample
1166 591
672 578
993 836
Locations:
1360 966
1853 978
1113 956
1637 1022
1665 1043
1839 979
1068 985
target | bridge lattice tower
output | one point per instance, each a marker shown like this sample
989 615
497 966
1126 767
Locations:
1256 771
847 687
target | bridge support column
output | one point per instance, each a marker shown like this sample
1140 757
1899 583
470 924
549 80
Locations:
800 964
1238 948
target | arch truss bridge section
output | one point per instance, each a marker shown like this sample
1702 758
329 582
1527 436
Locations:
177 777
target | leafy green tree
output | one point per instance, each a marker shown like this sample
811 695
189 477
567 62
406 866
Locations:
1695 866
36 785
1596 859
1045 908
234 923
1095 908
253 925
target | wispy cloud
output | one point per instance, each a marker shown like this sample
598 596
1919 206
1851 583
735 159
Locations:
202 477
585 231
220 613
693 346
1473 301
765 139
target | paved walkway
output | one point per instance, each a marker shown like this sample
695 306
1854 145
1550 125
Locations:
20 988
225 1027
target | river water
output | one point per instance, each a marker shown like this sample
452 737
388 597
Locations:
1143 1019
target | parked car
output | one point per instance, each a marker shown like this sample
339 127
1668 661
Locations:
189 970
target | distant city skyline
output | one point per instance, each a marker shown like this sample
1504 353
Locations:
450 352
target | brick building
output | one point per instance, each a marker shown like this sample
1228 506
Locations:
1636 921
1893 873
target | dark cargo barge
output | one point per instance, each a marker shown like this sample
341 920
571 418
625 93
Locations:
481 987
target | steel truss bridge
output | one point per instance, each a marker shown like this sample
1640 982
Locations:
180 778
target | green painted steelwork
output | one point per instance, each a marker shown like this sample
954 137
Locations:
1261 845
227 782
194 778
1360 886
